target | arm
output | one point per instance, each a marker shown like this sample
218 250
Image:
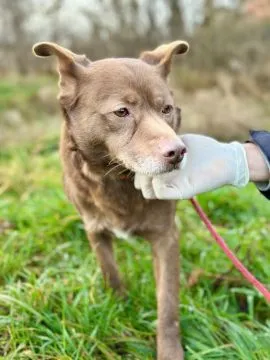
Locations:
258 152
258 169
210 164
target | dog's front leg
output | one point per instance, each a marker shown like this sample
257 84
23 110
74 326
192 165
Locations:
166 262
102 244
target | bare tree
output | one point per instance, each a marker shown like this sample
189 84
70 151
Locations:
259 8
208 13
176 22
15 13
54 13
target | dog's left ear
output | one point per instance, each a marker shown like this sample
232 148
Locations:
71 68
161 57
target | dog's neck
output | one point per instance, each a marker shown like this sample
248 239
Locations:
100 165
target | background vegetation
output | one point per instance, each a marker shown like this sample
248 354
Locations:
53 304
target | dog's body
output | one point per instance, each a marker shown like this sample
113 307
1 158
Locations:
100 130
108 200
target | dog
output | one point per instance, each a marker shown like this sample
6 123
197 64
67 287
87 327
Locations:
120 118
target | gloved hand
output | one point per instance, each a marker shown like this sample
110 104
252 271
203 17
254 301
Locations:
207 165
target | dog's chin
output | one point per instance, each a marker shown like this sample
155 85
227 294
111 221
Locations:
165 170
153 170
160 168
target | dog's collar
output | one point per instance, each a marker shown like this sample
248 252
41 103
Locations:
124 177
127 175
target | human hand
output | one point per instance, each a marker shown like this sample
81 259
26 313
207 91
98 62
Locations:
207 165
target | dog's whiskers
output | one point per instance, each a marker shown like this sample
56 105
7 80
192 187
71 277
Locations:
113 168
130 174
104 156
121 172
112 161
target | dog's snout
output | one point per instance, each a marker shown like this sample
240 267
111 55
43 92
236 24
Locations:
173 152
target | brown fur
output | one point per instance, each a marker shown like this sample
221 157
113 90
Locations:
94 138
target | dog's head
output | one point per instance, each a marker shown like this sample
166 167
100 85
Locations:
122 104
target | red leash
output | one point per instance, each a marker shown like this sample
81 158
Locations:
237 263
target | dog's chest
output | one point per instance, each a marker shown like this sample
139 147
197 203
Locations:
120 202
115 205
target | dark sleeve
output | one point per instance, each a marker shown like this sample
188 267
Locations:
262 139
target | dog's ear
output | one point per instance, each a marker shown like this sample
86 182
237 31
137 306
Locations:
161 57
70 66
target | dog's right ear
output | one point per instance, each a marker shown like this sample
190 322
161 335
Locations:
161 57
70 66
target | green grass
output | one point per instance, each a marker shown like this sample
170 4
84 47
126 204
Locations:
53 304
21 93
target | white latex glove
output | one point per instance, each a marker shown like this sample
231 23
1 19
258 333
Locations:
207 165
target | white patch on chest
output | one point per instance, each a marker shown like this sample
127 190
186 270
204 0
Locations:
121 234
98 224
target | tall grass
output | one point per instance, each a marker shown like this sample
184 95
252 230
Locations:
53 304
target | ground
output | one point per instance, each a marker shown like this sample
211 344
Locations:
53 304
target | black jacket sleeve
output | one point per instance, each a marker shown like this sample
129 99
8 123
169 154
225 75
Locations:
262 139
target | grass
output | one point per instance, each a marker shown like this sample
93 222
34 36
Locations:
190 80
53 304
27 108
20 93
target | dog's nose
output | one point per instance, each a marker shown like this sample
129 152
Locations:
174 152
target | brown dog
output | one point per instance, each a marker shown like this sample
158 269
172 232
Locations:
120 117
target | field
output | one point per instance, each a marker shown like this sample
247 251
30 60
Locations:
53 304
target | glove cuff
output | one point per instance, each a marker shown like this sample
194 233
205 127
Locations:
242 171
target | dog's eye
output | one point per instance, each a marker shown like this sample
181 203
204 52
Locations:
167 109
122 112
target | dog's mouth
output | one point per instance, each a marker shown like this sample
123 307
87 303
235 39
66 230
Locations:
162 157
147 166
